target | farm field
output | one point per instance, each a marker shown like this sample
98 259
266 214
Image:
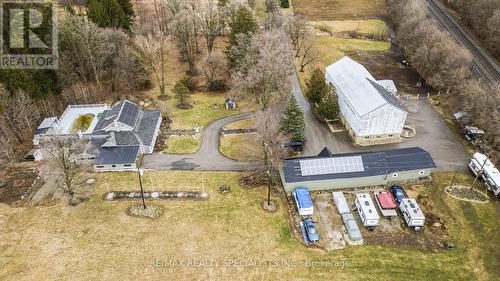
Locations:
97 240
340 9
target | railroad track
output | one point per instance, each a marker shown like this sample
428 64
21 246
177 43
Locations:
485 67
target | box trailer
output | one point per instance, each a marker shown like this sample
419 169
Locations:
413 215
340 202
386 203
303 201
481 166
366 210
351 227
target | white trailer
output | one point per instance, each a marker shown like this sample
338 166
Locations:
481 166
340 202
366 210
412 213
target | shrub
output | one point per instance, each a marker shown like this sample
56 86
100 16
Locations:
188 82
217 85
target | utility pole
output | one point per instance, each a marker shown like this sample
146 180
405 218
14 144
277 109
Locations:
140 173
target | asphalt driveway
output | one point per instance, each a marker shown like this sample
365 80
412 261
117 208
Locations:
433 134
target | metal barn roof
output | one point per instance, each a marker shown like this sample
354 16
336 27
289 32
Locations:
358 86
374 163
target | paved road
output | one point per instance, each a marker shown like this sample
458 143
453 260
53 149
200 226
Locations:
433 134
207 157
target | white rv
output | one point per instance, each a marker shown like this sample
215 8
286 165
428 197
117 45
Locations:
480 164
412 213
366 209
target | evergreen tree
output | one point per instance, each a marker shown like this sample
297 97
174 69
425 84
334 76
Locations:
242 22
292 122
182 94
285 4
111 13
329 107
317 88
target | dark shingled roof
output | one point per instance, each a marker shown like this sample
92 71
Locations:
146 128
117 155
374 163
386 95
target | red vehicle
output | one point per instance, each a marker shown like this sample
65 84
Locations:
386 203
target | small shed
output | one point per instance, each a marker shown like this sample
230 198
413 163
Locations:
230 103
303 201
351 227
340 202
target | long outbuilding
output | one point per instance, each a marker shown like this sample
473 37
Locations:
328 171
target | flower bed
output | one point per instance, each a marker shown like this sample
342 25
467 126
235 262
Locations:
150 212
169 195
466 193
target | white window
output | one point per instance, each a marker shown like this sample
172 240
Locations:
395 175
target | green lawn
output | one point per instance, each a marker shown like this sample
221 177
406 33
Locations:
241 147
242 124
330 49
182 144
97 240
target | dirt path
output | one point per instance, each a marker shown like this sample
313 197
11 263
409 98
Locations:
330 227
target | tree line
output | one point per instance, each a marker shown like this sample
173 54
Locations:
483 17
446 66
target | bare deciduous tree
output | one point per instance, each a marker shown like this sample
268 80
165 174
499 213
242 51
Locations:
211 67
68 160
308 52
266 80
295 27
210 24
267 123
151 51
20 113
186 34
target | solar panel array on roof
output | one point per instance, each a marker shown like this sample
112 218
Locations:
129 113
323 166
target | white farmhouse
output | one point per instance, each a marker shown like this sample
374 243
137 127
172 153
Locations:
369 110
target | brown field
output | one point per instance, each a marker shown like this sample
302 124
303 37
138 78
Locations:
340 9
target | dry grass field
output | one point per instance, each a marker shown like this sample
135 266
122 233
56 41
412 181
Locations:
340 9
227 237
241 147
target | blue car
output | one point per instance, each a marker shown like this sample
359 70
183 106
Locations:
398 193
311 233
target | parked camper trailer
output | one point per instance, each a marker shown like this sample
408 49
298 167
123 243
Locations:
480 164
366 209
386 203
340 202
303 201
412 213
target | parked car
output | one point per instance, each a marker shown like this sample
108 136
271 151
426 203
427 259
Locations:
294 145
474 135
311 232
398 192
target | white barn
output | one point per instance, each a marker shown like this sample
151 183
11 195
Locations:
369 110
